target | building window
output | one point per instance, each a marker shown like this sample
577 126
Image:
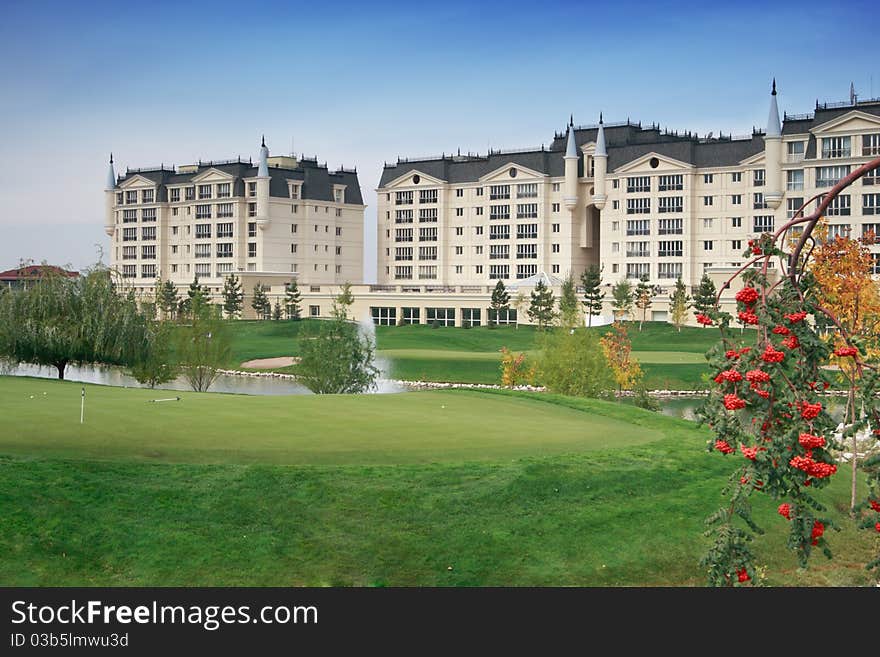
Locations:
203 231
638 205
830 176
427 234
708 178
223 268
636 270
403 235
554 207
795 150
527 211
638 249
867 229
478 230
555 187
403 216
638 184
708 201
839 206
384 316
499 272
554 228
527 231
130 252
427 272
402 272
427 196
836 147
459 193
440 316
670 227
131 197
147 196
638 227
759 177
224 190
293 248
294 191
615 226
708 245
459 231
499 232
204 191
499 192
670 249
148 252
669 270
224 250
403 253
736 199
479 191
428 215
129 271
524 271
668 204
252 250
736 222
478 211
148 233
411 315
527 190
708 223
839 230
224 211
189 193
499 251
736 245
615 184
403 198
615 247
794 180
736 177
203 251
459 250
129 234
252 229
252 209
615 268
615 205
871 145
670 183
872 177
758 201
118 198
526 251
129 216
224 230
870 204
203 212
499 212
554 248
427 253
459 212
314 311
793 205
763 224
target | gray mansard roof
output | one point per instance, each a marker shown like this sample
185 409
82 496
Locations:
625 142
317 180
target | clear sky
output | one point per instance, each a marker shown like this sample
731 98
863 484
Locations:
358 83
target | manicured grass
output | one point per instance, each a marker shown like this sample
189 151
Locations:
628 514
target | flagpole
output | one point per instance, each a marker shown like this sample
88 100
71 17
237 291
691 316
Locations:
82 406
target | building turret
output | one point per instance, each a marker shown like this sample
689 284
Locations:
263 187
773 154
571 168
600 168
109 193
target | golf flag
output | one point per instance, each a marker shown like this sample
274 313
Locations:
82 406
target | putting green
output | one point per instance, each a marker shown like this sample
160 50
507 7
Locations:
40 417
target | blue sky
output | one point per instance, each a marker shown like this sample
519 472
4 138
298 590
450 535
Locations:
358 83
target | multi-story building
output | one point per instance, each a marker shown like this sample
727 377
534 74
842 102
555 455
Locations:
639 200
284 218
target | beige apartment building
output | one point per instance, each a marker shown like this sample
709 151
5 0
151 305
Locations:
280 219
636 199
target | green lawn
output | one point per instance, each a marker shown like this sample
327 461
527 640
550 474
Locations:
331 491
670 359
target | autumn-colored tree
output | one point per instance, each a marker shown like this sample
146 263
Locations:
513 369
842 270
618 351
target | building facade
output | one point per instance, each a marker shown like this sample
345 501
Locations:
284 218
637 200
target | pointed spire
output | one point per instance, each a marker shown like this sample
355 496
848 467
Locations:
571 147
263 166
774 129
111 175
571 121
600 140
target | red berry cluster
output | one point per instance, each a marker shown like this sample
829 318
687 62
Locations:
723 446
816 534
748 295
755 248
875 505
772 355
816 469
704 319
733 403
751 453
844 352
781 330
810 441
784 510
729 375
794 318
810 411
743 576
747 317
757 376
791 342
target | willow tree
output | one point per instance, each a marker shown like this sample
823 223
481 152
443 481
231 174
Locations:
60 320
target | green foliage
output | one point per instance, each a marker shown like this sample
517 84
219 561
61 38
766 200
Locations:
196 301
571 362
591 279
158 365
292 301
276 311
642 399
167 299
342 302
203 347
233 296
622 299
644 297
339 359
569 308
59 320
260 302
541 307
500 301
679 302
704 297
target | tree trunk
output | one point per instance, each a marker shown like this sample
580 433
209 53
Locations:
852 413
60 366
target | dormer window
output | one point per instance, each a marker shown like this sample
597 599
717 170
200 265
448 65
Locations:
147 196
224 190
175 195
835 147
131 197
204 191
